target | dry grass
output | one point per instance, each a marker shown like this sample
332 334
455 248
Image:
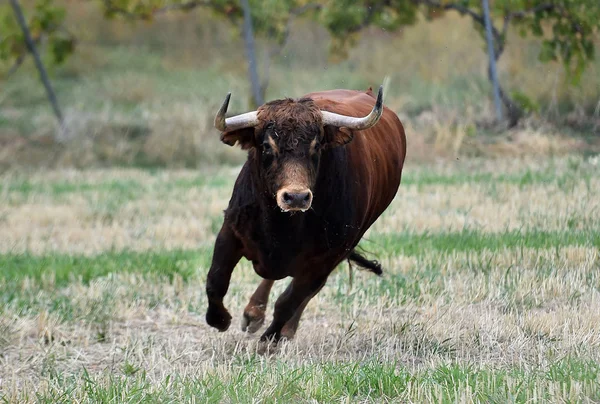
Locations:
136 210
489 307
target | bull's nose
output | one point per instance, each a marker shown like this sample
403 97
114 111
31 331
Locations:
295 200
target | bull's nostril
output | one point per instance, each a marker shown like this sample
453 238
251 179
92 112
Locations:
287 198
306 197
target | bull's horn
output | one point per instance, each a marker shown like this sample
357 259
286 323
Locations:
247 120
350 122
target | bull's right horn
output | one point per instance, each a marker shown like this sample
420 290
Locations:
351 122
247 120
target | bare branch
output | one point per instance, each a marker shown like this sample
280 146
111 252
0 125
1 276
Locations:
21 58
456 7
18 62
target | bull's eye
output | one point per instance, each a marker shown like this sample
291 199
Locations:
267 155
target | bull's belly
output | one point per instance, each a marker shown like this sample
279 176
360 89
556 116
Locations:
306 261
273 274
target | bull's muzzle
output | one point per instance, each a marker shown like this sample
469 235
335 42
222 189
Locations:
294 199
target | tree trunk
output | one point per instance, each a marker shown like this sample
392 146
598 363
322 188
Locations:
513 111
38 62
251 56
493 74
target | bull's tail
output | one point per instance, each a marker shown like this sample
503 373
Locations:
373 266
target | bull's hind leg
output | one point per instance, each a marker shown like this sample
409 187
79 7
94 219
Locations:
289 329
299 290
226 255
254 313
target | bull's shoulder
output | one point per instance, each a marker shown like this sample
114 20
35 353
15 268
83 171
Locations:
243 203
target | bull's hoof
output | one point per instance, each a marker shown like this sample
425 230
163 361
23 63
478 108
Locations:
270 336
252 319
218 318
287 334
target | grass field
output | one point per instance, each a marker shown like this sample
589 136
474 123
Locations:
491 292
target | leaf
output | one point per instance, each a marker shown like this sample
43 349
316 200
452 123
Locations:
548 51
61 47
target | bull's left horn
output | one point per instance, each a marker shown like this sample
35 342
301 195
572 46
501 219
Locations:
350 122
247 120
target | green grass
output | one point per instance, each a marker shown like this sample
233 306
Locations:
252 380
63 268
525 178
51 273
131 188
128 189
409 243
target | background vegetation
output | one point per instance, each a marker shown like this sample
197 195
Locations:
143 92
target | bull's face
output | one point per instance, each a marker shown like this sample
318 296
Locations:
289 164
285 139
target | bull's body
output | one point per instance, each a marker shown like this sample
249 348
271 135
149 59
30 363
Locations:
354 185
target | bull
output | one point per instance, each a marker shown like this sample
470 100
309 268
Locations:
320 170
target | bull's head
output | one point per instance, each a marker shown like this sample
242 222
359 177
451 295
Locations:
286 139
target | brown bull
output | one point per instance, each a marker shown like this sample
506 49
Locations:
320 171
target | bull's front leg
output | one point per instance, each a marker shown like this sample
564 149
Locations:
226 255
299 291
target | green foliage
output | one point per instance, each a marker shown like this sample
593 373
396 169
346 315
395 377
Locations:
269 17
527 104
567 27
45 22
345 18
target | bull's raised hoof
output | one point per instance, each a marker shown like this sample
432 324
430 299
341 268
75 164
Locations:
218 318
253 318
320 170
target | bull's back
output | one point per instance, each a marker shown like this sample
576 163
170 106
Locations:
375 156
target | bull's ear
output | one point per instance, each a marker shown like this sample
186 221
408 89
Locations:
337 136
243 137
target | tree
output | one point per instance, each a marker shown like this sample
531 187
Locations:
567 27
22 38
270 18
